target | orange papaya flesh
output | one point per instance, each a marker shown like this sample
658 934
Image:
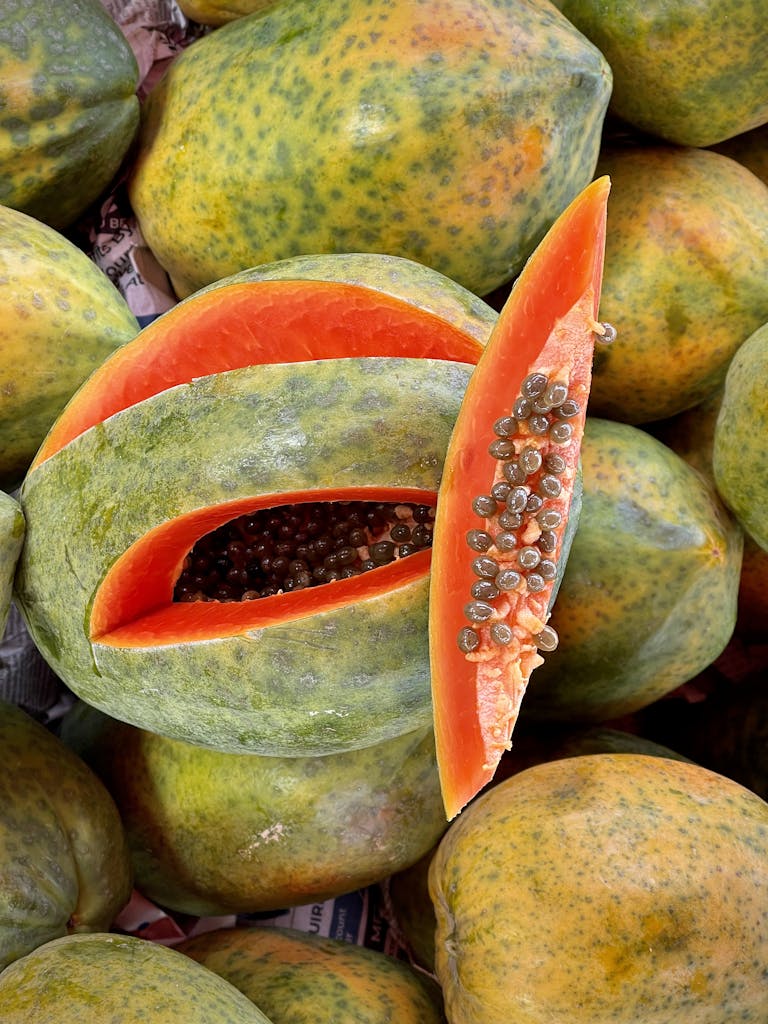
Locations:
135 607
256 323
485 645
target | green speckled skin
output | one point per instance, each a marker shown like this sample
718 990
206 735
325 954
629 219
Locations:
684 282
452 132
12 529
414 283
68 109
740 449
118 979
332 681
408 890
610 888
649 594
213 833
302 978
64 860
690 71
62 317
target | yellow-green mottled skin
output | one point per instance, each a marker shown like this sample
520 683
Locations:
408 890
684 282
101 978
12 528
301 978
690 71
607 887
331 681
213 833
62 317
692 435
64 860
740 450
68 108
219 12
649 594
452 132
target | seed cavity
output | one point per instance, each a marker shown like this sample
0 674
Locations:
529 444
296 546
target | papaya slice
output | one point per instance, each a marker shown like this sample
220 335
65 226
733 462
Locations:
247 323
505 497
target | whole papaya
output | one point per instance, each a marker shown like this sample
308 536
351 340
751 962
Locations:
740 450
649 593
684 278
68 82
11 539
690 71
64 861
349 125
62 317
605 887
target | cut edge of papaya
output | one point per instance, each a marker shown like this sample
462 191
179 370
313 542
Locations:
133 607
549 320
254 323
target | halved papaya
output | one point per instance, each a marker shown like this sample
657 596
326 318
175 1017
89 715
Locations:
504 501
280 406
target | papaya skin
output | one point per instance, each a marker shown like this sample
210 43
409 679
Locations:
213 833
299 976
649 594
740 449
12 529
617 887
346 126
64 860
684 279
70 111
62 317
88 979
692 72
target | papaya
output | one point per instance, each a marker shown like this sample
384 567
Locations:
219 12
739 457
691 72
299 976
90 979
62 318
692 435
348 126
505 498
407 891
213 833
64 860
617 887
12 529
686 249
321 412
649 594
68 81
